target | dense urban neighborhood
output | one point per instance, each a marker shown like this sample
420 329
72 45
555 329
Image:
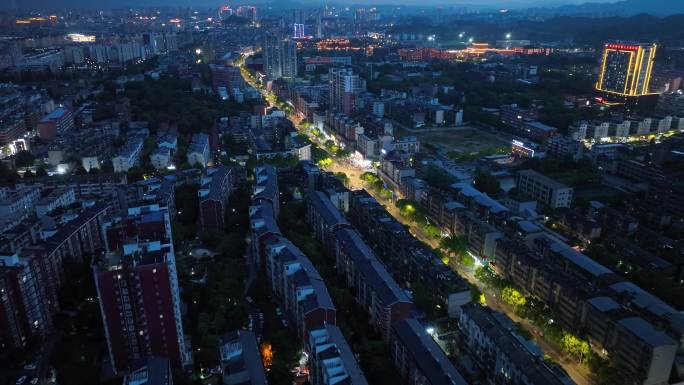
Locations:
341 194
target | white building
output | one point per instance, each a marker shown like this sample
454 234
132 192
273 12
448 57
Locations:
198 152
50 59
169 141
129 155
90 162
161 158
546 191
59 197
409 144
74 54
20 200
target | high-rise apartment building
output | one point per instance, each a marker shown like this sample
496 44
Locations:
225 12
289 61
27 300
626 68
273 56
280 57
345 87
319 25
298 24
137 287
248 12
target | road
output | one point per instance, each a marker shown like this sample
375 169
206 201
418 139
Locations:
578 372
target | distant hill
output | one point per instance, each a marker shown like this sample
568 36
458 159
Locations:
589 30
624 8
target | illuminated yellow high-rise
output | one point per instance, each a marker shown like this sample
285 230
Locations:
626 69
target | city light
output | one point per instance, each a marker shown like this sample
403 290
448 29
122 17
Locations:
81 38
267 355
356 128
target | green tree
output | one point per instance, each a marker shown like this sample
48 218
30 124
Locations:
513 297
454 245
107 167
7 175
343 178
134 174
486 183
437 177
24 158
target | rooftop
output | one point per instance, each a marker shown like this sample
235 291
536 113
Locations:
578 259
374 271
331 344
331 215
647 332
481 198
428 356
543 179
56 114
240 358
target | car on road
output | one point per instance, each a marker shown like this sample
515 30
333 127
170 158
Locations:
249 299
31 366
20 380
34 381
279 312
284 322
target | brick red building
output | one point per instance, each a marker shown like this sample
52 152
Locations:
216 187
138 289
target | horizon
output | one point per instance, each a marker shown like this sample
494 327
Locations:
37 5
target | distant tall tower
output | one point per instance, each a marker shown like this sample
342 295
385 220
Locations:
224 12
319 25
298 24
273 56
280 57
289 60
626 69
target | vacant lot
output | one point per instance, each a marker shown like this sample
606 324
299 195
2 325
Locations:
464 139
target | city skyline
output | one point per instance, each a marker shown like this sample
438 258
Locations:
366 194
39 4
